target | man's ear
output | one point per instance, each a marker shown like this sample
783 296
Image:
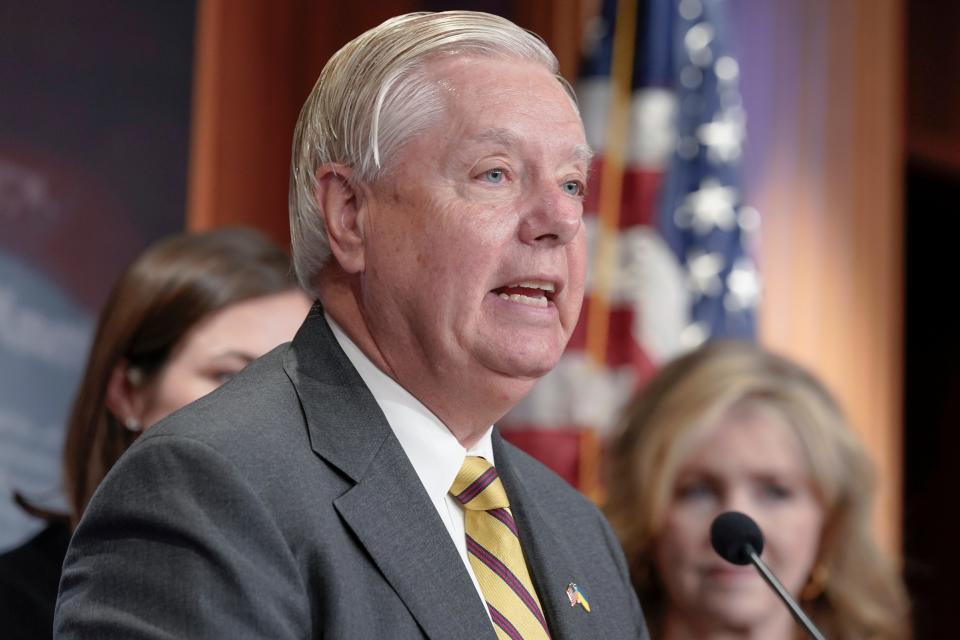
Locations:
342 205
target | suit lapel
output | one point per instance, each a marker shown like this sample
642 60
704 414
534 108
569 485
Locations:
400 529
344 423
553 564
387 508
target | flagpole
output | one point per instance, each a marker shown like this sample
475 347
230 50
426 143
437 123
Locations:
611 180
611 188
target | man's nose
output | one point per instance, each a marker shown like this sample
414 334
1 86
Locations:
552 217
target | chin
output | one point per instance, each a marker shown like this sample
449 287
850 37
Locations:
738 614
524 356
526 365
512 379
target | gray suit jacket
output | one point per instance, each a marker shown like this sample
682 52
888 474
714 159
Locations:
282 506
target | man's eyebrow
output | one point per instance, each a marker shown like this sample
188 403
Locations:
580 153
503 136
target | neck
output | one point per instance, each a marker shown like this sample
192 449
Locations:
467 410
337 295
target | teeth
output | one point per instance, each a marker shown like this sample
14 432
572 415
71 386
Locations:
533 302
546 286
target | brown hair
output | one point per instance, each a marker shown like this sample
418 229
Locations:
863 595
167 290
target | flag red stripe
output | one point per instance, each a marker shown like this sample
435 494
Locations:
638 197
622 346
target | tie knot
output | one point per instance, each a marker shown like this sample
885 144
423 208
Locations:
478 487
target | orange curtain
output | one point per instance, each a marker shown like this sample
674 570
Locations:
256 61
832 242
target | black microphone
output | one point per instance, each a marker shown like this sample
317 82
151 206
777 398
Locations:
738 540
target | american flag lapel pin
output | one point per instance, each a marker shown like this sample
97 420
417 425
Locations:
575 596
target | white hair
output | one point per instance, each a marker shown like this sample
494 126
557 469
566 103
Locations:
373 96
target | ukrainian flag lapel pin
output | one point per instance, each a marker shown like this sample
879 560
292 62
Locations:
575 596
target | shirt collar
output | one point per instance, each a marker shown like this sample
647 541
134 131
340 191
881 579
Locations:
435 453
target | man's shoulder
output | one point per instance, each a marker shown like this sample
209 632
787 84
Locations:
249 438
260 405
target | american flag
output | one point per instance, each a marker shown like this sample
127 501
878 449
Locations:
670 236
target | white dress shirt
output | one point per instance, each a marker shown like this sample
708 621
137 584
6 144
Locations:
434 452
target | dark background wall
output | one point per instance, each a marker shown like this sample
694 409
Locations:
932 411
932 371
94 133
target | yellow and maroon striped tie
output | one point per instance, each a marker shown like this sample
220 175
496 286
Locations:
495 555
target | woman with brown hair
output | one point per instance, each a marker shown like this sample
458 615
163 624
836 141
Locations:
187 315
731 427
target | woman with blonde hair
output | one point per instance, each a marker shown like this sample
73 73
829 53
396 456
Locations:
731 427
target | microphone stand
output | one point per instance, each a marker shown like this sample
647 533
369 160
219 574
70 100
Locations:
795 609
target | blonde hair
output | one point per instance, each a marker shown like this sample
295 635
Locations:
374 95
864 596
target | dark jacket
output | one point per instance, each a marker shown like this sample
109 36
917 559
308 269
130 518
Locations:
29 576
283 506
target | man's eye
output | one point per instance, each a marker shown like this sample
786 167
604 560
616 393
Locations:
494 175
573 188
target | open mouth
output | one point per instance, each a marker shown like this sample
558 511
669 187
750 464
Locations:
532 293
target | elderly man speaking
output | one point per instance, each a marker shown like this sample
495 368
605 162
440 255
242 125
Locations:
351 484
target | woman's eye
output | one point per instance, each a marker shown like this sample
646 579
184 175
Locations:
694 491
775 491
573 188
494 175
220 377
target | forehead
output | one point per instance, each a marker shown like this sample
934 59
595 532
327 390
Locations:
750 438
254 325
504 101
